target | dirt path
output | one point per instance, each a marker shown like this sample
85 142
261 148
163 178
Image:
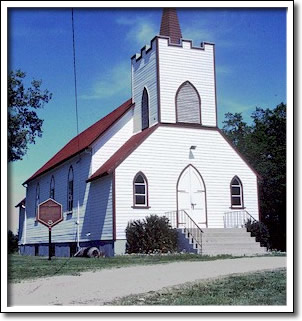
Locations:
95 288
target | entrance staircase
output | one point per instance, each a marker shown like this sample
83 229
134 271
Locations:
213 241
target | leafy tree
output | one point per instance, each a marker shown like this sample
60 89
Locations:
263 143
12 242
236 129
23 122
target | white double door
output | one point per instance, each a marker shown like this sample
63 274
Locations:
192 196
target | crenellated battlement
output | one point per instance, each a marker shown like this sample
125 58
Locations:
184 41
144 50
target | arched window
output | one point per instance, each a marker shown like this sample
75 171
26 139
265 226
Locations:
236 193
145 109
52 188
140 190
188 108
70 190
37 197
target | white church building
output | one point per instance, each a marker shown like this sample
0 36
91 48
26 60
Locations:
161 152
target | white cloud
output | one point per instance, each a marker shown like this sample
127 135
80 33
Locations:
140 31
197 35
124 21
234 106
223 69
144 33
113 82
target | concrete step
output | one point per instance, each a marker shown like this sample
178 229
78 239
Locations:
225 234
224 230
248 246
228 240
219 241
184 245
262 251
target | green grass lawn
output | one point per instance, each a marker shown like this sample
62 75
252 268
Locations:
261 288
30 267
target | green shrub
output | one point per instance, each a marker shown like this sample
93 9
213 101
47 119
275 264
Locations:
151 235
260 231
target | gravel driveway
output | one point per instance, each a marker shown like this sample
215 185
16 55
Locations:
96 288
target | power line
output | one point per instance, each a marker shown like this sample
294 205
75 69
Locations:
78 139
75 75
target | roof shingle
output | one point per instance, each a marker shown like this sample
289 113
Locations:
170 26
83 140
122 153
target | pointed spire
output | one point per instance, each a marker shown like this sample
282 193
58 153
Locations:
170 25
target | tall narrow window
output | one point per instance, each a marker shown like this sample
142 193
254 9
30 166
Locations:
236 193
52 188
188 104
140 190
145 109
37 197
70 190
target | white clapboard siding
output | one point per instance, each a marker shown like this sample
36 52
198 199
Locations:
163 156
144 75
187 104
107 144
180 64
95 204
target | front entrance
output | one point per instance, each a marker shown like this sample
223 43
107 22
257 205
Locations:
192 195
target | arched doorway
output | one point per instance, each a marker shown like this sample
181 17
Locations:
191 195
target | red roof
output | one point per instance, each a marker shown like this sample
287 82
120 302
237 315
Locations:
122 153
21 202
83 140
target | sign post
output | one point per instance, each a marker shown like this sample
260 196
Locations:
50 214
49 244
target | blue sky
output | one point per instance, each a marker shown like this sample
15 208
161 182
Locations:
250 65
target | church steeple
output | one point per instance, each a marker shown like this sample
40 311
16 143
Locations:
170 25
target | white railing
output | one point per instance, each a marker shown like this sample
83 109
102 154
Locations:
237 219
181 219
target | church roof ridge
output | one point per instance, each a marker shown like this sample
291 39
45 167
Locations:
84 139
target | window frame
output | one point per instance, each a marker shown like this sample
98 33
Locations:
69 180
146 194
240 196
176 107
52 187
145 91
37 200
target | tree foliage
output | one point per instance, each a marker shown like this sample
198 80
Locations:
12 242
24 125
263 143
260 231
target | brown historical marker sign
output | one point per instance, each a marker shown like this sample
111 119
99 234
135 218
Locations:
50 213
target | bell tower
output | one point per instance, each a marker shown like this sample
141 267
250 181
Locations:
172 80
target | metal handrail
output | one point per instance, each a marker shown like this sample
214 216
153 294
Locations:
237 218
181 219
251 216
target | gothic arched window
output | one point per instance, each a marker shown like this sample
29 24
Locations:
145 109
236 192
188 108
140 190
70 190
37 197
52 188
